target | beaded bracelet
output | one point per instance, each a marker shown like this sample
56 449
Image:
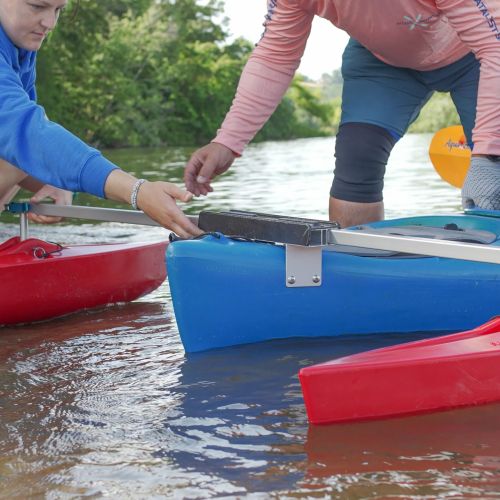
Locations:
135 191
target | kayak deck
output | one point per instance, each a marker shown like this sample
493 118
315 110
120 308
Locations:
433 374
42 280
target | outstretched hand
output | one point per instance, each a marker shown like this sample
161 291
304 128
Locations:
157 199
60 197
205 164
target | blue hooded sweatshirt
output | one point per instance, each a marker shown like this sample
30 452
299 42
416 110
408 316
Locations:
31 142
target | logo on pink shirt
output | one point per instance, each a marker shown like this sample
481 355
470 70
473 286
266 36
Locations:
418 21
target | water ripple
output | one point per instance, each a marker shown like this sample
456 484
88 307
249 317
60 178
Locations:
106 403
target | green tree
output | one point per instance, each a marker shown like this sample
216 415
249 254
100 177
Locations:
151 72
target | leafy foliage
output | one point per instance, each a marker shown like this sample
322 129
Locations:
151 72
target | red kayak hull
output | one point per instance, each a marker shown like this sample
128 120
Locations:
41 280
434 374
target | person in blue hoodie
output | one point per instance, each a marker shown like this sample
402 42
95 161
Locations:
40 154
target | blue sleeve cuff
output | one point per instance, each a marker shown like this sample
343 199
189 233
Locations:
94 174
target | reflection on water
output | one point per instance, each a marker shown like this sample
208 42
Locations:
105 402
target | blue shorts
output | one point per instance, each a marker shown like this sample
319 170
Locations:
390 97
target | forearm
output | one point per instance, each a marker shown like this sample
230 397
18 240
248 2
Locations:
31 184
477 23
119 185
486 133
267 74
259 92
9 176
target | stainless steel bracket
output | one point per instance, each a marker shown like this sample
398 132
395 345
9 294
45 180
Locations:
303 266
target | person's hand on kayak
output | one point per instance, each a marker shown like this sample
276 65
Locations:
156 199
59 196
205 164
481 188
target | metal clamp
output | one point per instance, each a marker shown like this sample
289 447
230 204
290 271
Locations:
20 208
303 266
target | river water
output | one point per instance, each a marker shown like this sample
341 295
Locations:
105 403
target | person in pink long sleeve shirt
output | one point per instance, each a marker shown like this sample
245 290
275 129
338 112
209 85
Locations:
400 52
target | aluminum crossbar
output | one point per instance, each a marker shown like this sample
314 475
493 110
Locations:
96 213
411 245
421 246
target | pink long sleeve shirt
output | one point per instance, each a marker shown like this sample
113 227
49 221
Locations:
417 34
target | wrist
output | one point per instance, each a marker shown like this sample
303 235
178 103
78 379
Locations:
119 185
232 151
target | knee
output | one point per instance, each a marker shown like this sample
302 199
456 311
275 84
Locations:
361 151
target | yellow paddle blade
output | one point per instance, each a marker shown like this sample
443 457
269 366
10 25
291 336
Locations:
450 154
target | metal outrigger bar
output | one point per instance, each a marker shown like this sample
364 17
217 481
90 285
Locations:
74 211
304 240
79 212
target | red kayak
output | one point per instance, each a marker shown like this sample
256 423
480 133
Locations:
42 280
441 373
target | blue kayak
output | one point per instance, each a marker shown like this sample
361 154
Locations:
228 291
